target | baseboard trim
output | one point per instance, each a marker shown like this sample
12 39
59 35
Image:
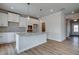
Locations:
57 39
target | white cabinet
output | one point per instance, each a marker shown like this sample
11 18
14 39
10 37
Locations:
7 37
30 21
13 17
22 22
35 21
3 19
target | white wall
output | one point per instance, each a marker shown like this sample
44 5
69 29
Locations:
41 20
55 26
68 28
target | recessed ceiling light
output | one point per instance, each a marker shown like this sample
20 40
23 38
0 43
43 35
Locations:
51 10
12 7
73 12
75 20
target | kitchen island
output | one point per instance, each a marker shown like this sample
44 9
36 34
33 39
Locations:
25 41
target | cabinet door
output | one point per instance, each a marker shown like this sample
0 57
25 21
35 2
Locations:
23 22
3 19
30 21
13 17
16 18
0 19
7 38
35 21
10 17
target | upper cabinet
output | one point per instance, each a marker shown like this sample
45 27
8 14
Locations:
13 17
35 21
32 21
22 22
3 19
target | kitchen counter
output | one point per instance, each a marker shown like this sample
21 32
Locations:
25 41
28 34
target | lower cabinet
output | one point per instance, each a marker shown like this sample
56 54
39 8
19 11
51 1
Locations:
7 38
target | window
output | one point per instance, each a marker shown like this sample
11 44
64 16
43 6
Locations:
75 28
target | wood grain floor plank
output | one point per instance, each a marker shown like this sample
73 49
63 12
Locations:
67 47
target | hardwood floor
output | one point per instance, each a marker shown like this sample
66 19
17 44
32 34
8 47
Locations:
7 49
68 47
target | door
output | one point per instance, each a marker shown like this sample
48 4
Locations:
75 28
43 27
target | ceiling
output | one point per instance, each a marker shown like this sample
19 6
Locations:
35 8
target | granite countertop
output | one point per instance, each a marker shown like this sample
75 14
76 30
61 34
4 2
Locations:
29 34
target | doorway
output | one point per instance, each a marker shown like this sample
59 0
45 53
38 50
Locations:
74 27
43 27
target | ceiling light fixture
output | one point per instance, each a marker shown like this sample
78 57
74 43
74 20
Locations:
73 12
28 17
41 12
12 7
28 11
75 20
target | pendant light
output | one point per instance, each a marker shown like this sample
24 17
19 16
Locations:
28 11
40 12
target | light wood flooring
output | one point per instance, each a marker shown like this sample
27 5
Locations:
68 47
